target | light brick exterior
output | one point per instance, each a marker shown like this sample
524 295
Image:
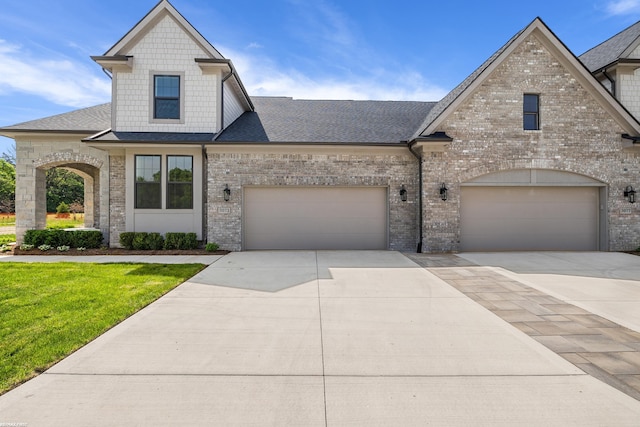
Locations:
577 135
580 134
309 166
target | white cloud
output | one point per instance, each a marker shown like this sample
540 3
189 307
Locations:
59 81
623 7
263 77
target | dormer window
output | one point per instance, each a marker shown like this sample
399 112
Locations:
167 97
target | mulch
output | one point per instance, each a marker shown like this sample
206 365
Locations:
114 251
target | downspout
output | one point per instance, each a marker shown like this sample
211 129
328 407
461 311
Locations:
419 157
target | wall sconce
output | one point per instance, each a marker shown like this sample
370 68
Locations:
443 192
226 193
403 193
630 194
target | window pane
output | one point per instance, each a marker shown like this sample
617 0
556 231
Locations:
530 122
530 103
148 190
179 196
167 109
167 86
148 195
179 182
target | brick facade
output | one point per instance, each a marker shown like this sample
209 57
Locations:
576 135
335 166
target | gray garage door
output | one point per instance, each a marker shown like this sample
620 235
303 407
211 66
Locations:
529 218
315 218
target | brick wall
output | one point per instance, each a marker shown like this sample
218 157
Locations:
117 199
310 166
577 135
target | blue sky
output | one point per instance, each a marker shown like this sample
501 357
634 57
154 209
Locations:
307 49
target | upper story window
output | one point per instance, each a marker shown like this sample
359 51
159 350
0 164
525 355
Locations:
531 112
166 97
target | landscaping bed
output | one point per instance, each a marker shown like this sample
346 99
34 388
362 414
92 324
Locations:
117 251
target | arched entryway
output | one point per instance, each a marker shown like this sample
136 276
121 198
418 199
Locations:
31 190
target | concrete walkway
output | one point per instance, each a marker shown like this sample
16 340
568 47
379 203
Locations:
318 338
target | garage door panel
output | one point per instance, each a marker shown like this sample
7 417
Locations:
529 218
315 218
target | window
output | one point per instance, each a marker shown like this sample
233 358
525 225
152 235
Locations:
148 191
531 116
179 182
166 96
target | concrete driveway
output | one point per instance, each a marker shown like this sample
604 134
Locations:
317 339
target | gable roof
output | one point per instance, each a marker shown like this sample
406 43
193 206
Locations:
610 51
84 121
162 9
291 120
450 102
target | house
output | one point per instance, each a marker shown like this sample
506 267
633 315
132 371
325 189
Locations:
530 152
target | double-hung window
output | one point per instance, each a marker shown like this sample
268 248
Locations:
180 182
148 190
531 112
166 97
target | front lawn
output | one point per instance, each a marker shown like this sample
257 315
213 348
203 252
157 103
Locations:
47 311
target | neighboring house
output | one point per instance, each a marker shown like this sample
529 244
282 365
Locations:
530 152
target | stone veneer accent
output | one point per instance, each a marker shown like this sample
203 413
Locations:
117 199
577 135
310 166
34 156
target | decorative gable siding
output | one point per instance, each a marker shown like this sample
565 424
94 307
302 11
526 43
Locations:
628 85
577 135
232 107
166 48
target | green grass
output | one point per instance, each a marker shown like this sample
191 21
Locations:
7 238
75 220
47 311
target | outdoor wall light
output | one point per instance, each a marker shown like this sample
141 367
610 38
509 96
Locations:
403 193
443 191
630 194
226 192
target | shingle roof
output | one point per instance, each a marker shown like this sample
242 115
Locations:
316 121
612 49
174 137
89 120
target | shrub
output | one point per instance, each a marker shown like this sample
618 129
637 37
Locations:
181 241
126 239
25 247
91 239
44 248
4 248
140 242
63 248
155 241
63 208
212 247
57 237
